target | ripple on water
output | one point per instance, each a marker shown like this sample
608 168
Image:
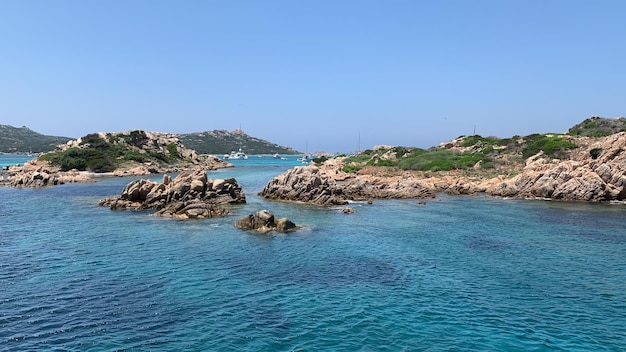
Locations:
457 274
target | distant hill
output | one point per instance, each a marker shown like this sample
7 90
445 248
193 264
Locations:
223 142
24 140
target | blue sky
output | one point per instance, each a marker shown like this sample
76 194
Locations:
323 75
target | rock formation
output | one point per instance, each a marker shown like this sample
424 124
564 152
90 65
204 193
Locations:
263 221
595 172
305 184
188 196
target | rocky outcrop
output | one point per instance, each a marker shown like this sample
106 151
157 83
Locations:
188 196
595 172
330 186
263 221
41 174
305 184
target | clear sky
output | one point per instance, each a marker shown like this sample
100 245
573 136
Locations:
323 75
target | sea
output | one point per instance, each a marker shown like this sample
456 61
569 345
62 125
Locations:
455 274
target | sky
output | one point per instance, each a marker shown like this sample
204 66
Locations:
320 75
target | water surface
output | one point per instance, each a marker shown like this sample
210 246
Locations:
459 273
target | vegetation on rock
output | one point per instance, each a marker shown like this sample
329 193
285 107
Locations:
597 127
465 152
106 152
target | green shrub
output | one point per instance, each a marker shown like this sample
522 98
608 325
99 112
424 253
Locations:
552 146
595 153
158 156
135 155
135 138
359 158
173 151
380 162
351 169
320 160
81 159
94 141
476 139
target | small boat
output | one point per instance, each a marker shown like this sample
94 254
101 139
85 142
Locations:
236 155
304 159
276 156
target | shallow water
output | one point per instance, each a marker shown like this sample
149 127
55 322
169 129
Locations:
459 273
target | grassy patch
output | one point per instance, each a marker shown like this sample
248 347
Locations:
440 160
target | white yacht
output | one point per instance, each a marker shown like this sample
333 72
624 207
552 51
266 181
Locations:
236 155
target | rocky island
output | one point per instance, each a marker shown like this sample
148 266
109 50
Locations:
191 195
131 153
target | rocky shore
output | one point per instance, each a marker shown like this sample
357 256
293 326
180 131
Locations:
38 173
595 171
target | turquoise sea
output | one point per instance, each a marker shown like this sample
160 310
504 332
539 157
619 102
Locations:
456 274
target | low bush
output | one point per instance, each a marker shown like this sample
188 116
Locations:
595 153
553 146
82 159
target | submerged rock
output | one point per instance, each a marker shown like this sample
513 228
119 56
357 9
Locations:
263 221
188 196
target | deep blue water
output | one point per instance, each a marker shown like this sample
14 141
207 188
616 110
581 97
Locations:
459 273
